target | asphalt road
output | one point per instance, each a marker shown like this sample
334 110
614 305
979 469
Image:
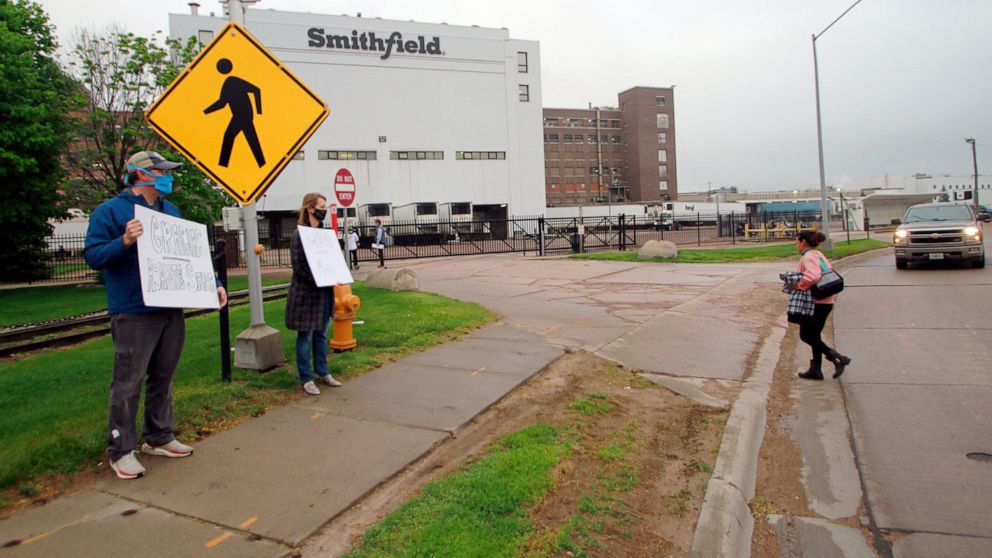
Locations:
919 398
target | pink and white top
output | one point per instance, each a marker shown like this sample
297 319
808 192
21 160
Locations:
809 266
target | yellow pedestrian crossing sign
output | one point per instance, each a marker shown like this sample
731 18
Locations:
237 113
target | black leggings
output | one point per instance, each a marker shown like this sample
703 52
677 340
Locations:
812 327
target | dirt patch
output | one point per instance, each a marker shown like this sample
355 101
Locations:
632 484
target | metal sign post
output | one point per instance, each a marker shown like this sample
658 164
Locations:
240 116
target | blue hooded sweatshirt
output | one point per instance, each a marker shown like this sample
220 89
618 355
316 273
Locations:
105 250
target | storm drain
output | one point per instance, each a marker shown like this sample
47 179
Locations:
980 456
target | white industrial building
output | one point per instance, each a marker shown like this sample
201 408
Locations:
419 113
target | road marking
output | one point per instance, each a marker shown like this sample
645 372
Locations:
247 523
217 540
316 415
479 370
40 536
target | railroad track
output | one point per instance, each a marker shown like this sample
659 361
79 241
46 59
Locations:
46 335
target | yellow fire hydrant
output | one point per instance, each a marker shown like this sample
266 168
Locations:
345 308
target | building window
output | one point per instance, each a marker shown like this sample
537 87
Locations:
662 120
591 139
568 138
663 186
616 140
524 91
551 122
416 155
204 37
659 101
663 171
615 124
522 62
573 122
604 139
552 138
298 156
662 156
490 155
662 138
339 155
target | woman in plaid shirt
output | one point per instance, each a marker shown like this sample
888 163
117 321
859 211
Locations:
811 328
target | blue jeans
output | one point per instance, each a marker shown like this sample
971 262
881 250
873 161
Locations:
314 342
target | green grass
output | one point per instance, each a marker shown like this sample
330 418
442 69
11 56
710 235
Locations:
34 304
482 510
739 254
55 402
595 404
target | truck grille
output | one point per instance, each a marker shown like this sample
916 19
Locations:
947 236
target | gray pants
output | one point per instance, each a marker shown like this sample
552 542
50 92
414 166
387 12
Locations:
144 345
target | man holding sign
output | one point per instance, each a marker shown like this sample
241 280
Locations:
148 340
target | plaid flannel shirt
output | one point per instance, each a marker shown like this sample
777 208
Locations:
800 302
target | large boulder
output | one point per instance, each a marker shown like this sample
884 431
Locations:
658 249
399 279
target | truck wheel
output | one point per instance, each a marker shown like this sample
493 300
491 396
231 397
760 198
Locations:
902 264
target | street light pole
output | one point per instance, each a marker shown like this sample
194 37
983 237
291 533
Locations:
974 162
824 209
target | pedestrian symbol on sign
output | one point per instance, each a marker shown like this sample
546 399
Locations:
235 95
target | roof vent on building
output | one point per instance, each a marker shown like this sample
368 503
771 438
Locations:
194 8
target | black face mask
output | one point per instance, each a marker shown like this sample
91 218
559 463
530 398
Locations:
320 214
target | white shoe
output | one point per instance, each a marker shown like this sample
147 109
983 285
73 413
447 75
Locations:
128 467
329 380
311 388
173 449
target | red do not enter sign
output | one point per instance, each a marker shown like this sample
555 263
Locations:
344 187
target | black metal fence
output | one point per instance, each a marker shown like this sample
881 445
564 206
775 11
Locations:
527 235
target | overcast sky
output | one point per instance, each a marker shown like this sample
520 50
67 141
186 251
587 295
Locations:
903 82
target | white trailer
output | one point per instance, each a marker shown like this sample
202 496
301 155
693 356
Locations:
456 218
416 223
369 212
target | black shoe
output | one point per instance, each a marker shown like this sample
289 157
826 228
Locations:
811 375
840 363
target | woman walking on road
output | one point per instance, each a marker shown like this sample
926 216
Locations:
812 264
308 307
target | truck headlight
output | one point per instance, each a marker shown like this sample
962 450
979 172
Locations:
972 232
899 236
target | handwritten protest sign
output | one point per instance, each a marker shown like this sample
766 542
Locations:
324 256
175 264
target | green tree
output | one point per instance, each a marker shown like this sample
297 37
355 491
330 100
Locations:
123 74
35 99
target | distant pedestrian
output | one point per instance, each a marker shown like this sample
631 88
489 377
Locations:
380 240
811 266
308 307
353 247
147 341
60 254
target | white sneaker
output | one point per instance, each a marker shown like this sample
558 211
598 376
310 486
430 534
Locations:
172 449
329 380
128 467
311 388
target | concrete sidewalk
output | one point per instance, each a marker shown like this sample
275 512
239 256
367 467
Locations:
264 487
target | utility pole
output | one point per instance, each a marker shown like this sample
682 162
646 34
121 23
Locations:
824 207
974 162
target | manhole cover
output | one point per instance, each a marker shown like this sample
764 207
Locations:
980 456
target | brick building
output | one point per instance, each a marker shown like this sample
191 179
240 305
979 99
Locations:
609 155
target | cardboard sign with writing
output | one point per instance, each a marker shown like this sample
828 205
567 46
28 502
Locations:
324 255
174 261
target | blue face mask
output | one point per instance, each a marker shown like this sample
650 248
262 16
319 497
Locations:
162 183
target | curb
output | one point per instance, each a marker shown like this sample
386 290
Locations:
725 523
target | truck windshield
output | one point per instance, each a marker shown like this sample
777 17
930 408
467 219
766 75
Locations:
938 213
